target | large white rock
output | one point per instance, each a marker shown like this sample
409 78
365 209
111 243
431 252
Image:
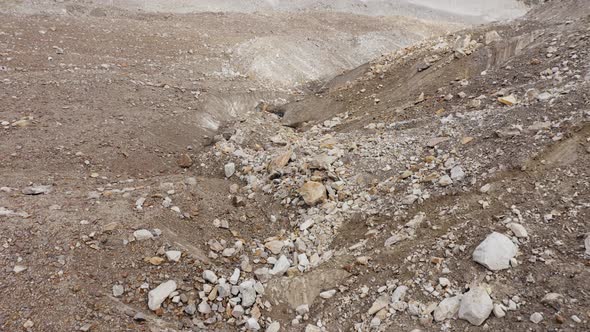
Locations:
495 252
157 295
281 266
448 308
399 294
248 293
142 234
518 230
273 327
173 255
476 306
274 246
210 276
587 245
252 324
380 303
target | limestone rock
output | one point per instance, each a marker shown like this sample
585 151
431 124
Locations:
381 302
508 100
210 276
252 324
457 173
445 180
36 190
476 306
323 162
157 295
173 255
448 308
118 290
248 293
281 266
536 317
229 169
273 327
495 252
492 36
142 234
518 230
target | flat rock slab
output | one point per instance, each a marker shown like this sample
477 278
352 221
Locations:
304 289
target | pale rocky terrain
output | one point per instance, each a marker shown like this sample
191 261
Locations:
294 166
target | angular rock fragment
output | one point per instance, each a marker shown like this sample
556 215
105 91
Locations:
495 252
157 295
448 308
313 192
476 306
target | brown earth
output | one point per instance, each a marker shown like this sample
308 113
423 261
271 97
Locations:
104 104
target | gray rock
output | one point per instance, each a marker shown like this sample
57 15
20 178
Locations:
204 307
495 252
445 180
190 309
399 294
157 295
476 306
235 277
19 268
381 302
302 309
492 36
587 245
142 234
312 328
238 311
281 266
210 276
518 230
173 255
273 327
263 274
544 96
139 317
328 294
499 311
252 324
536 317
248 293
230 169
448 308
118 290
36 190
457 173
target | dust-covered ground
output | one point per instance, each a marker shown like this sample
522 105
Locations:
294 166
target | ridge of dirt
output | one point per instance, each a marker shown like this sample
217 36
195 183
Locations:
129 166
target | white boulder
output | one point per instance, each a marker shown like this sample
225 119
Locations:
476 306
495 252
448 308
157 295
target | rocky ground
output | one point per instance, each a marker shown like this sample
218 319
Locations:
442 186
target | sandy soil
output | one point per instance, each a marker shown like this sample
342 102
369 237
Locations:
202 128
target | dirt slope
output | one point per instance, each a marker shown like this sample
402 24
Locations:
137 156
